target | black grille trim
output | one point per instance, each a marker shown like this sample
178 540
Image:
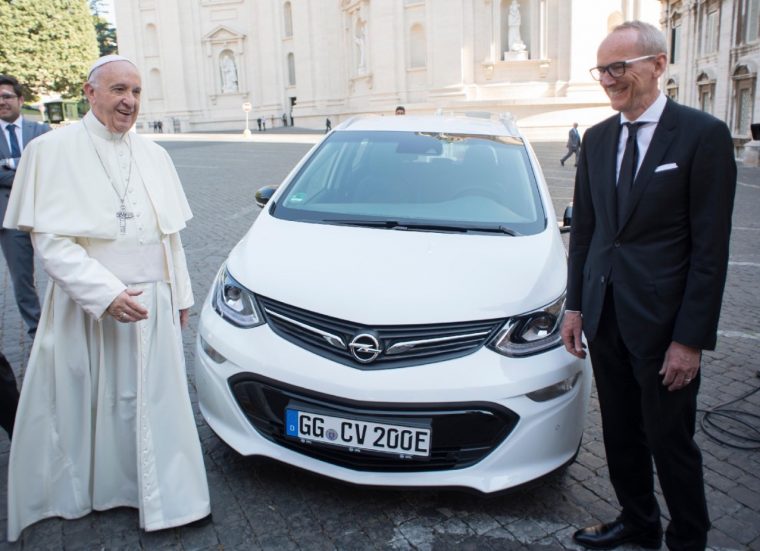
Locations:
463 433
387 335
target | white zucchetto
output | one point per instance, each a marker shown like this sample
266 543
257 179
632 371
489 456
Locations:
108 59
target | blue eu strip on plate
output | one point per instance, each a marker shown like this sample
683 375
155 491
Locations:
291 422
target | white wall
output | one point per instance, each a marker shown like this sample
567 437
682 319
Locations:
465 69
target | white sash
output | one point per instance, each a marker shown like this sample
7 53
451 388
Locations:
132 264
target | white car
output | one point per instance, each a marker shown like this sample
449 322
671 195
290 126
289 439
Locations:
392 316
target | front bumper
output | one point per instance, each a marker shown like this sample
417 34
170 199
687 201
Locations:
515 439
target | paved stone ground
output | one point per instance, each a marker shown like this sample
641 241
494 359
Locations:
261 504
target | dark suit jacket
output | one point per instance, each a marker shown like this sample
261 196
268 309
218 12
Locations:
29 131
668 253
573 139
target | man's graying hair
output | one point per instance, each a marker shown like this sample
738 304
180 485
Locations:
651 41
94 79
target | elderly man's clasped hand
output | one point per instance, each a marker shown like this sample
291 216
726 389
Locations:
125 309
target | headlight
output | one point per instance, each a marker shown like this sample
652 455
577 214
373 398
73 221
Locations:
531 333
233 302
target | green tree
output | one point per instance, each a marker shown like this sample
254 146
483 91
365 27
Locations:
105 32
48 45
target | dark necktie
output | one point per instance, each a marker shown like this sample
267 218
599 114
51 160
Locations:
628 167
15 149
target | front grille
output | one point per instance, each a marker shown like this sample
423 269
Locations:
463 434
401 345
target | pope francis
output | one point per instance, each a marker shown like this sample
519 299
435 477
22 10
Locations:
104 418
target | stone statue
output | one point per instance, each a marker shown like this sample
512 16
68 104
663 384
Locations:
359 39
229 74
514 40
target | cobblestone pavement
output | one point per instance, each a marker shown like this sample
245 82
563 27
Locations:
261 504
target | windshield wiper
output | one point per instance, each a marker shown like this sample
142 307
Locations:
389 224
419 226
501 228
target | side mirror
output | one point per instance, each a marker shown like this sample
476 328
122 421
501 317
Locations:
567 219
264 194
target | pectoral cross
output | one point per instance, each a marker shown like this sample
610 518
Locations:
123 216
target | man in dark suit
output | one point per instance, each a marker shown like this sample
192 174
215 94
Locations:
573 144
16 245
646 271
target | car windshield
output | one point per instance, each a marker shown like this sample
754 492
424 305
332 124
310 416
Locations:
417 181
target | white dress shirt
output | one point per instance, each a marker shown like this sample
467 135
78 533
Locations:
644 136
19 136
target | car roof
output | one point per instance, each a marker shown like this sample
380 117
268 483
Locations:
486 124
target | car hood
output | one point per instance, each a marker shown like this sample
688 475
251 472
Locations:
386 277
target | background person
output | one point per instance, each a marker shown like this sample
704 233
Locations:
8 396
400 110
104 417
573 144
16 245
647 267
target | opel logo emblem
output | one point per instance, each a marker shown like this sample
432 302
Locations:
365 348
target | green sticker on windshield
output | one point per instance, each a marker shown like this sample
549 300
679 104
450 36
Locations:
297 197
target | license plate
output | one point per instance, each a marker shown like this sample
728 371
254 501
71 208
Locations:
403 440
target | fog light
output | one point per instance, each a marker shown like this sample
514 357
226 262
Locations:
211 352
555 390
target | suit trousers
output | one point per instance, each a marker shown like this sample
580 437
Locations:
570 151
8 395
641 420
19 255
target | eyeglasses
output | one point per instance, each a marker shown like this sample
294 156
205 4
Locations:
617 68
8 97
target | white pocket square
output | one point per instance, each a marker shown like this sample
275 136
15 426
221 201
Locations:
663 168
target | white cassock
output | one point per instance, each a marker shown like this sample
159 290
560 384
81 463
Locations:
104 418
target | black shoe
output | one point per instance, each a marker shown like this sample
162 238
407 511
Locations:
562 162
616 533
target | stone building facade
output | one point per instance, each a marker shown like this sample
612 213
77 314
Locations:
309 60
714 48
